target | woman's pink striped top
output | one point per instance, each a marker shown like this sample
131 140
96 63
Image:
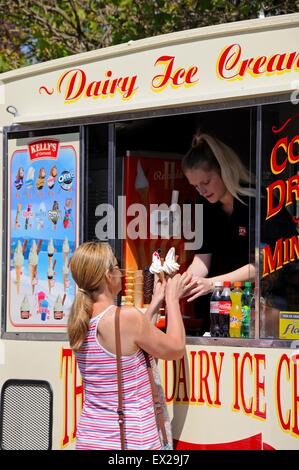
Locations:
98 428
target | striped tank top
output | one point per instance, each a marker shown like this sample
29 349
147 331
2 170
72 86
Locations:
98 427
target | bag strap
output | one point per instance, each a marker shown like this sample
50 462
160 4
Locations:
119 379
157 405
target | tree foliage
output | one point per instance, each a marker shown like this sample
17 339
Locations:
35 31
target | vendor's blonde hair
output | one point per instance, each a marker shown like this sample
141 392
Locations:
210 153
88 266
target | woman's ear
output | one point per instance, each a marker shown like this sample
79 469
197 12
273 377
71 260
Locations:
108 277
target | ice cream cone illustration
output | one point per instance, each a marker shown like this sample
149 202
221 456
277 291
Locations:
54 214
52 178
65 250
58 309
67 213
19 208
18 264
142 184
41 179
29 181
50 274
39 246
51 250
65 272
33 260
19 180
41 216
28 214
24 246
25 309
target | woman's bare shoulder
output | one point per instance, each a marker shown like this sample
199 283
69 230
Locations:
131 319
129 311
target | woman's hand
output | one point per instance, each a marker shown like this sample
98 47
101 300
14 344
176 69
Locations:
179 286
202 286
159 291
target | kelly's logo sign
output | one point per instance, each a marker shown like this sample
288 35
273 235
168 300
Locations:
45 148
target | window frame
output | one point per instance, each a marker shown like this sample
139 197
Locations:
83 123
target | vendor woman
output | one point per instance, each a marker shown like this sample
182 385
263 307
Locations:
228 197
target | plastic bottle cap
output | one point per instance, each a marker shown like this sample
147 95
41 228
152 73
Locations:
227 284
247 284
238 284
218 284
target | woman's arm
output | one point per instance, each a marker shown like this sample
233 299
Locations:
171 344
157 299
206 285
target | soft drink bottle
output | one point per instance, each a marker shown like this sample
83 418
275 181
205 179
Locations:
224 309
252 315
214 309
236 311
246 300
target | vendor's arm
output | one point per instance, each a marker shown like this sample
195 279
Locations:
206 285
200 265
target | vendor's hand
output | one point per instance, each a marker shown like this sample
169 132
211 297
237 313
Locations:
202 287
179 286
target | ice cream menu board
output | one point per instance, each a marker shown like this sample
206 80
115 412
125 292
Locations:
42 231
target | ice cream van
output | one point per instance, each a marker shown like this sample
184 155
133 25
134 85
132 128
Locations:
86 137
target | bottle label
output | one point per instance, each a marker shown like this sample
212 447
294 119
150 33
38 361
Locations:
214 306
235 322
224 307
245 313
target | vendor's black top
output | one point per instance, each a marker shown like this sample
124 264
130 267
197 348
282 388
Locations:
230 238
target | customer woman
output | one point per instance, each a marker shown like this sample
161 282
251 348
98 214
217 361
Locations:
228 197
92 337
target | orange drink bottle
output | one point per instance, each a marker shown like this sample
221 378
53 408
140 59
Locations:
235 321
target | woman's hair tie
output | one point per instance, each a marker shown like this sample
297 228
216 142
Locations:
83 291
197 140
